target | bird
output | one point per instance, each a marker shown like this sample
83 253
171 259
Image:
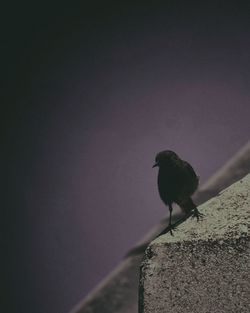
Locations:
177 181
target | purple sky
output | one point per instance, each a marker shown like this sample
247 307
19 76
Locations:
97 95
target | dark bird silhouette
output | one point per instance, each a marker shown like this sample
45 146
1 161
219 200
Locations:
177 182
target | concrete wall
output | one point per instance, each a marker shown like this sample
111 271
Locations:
205 266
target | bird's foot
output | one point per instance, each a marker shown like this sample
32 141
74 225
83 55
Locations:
198 215
172 228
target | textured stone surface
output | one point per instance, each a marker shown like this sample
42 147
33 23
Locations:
205 266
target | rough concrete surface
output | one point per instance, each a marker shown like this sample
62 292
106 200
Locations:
205 266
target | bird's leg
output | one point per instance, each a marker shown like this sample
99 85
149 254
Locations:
176 224
197 214
170 219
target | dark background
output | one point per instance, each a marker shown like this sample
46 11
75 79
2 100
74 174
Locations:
93 93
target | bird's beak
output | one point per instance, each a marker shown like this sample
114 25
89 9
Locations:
156 164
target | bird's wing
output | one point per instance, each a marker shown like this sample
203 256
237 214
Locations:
190 170
192 178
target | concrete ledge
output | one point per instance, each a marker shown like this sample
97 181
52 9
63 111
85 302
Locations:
205 266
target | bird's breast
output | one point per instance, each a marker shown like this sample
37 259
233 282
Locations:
167 185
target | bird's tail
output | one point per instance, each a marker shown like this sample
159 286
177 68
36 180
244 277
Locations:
187 205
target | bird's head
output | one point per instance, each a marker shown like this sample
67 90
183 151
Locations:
164 158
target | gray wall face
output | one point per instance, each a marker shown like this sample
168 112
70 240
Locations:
198 277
